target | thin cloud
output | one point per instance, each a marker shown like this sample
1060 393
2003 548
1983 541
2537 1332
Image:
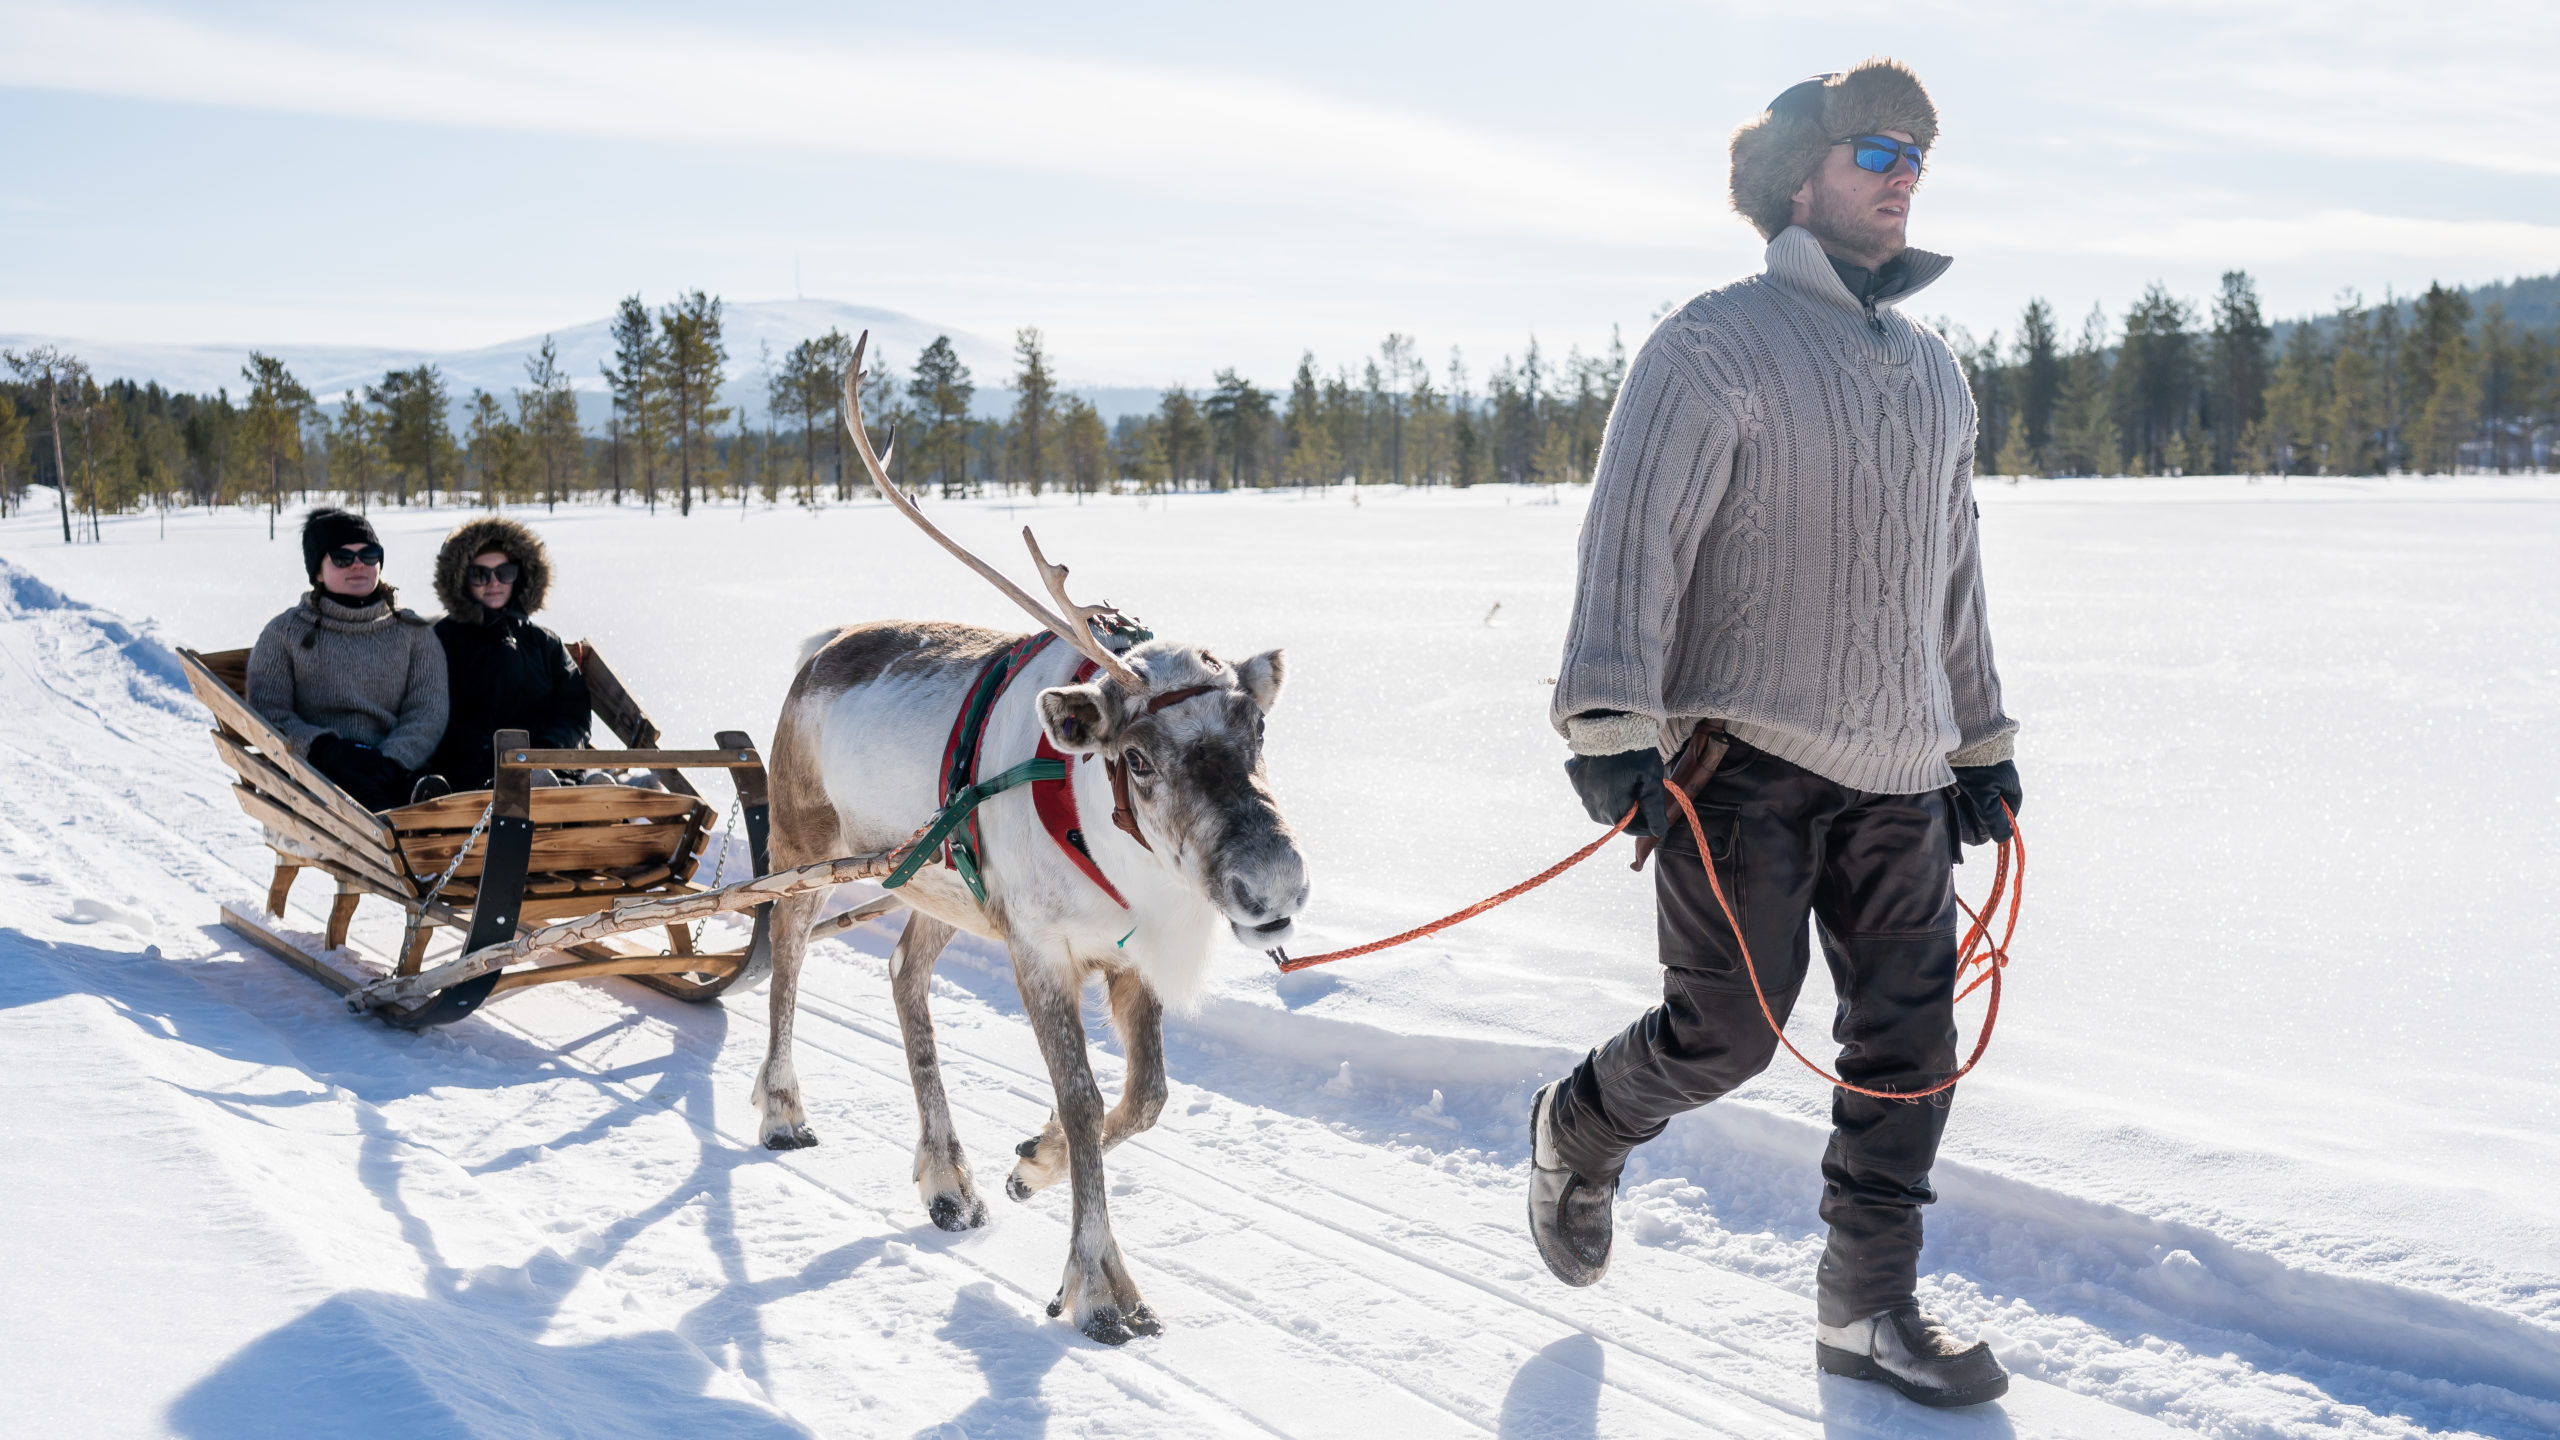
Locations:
1229 135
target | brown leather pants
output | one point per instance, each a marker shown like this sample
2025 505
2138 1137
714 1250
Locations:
1875 874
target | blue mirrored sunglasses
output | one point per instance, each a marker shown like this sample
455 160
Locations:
1877 154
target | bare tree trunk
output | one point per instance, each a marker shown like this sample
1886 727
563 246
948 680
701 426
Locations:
61 465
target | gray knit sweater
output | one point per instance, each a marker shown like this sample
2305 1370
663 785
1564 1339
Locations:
374 674
1781 535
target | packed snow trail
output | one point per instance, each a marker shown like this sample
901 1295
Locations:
233 1209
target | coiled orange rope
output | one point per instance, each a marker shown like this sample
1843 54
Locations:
1978 949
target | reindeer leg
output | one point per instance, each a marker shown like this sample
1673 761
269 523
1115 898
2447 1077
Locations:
777 1089
1139 1017
942 1169
1097 1295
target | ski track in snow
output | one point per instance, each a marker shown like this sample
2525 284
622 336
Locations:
552 1218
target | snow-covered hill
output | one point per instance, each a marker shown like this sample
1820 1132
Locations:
2264 1147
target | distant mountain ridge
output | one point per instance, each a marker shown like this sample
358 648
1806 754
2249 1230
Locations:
329 371
2532 302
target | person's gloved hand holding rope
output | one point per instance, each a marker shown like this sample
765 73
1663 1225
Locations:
1608 784
1979 793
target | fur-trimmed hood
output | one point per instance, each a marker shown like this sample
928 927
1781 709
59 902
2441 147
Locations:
1777 151
510 538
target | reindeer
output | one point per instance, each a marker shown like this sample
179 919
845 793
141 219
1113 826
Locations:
1197 841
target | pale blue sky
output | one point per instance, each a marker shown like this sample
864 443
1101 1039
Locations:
1167 189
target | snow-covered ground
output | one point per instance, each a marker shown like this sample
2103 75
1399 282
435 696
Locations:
2265 1145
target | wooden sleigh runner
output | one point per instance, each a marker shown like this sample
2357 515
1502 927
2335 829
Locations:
543 855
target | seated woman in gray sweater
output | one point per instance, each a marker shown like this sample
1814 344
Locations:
353 681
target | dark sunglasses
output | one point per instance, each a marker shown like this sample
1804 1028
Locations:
347 557
483 574
1878 154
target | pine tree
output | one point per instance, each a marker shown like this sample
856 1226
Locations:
1086 446
355 449
2500 379
1031 445
2240 354
2451 407
2438 350
2084 424
2016 457
1313 460
2155 379
272 424
1184 437
2297 400
548 416
2384 346
13 455
797 390
693 363
2039 379
1236 414
639 405
876 387
497 450
416 437
941 392
2358 441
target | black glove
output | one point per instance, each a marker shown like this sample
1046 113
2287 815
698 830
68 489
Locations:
359 768
1608 784
1978 793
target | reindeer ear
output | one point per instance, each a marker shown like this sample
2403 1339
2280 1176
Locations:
1262 676
1078 719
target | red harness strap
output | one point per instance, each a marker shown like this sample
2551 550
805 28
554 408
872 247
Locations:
1055 802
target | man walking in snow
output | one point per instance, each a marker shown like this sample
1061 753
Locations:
1780 558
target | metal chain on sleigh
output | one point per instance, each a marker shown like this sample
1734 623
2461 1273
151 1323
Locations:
418 915
720 864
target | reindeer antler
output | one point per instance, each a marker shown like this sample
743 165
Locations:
1077 632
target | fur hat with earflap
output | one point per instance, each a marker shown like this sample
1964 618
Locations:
1774 154
478 537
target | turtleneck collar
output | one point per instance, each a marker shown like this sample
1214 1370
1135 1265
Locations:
1872 287
1797 260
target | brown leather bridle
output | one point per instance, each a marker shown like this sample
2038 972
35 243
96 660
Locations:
1121 814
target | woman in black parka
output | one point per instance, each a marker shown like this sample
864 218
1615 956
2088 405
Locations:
504 672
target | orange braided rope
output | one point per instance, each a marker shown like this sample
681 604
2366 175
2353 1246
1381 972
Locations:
1444 922
1977 948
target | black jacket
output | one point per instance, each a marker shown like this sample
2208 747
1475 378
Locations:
505 673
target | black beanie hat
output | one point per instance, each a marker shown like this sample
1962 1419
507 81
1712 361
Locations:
328 528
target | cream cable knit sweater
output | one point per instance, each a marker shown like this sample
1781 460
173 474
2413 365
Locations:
1781 535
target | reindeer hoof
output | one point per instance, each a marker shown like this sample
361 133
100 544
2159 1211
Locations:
1106 1327
1111 1326
1057 1302
796 1137
958 1212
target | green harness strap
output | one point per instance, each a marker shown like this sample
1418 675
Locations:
956 810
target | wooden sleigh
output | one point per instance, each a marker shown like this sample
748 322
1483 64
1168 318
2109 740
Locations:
545 854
